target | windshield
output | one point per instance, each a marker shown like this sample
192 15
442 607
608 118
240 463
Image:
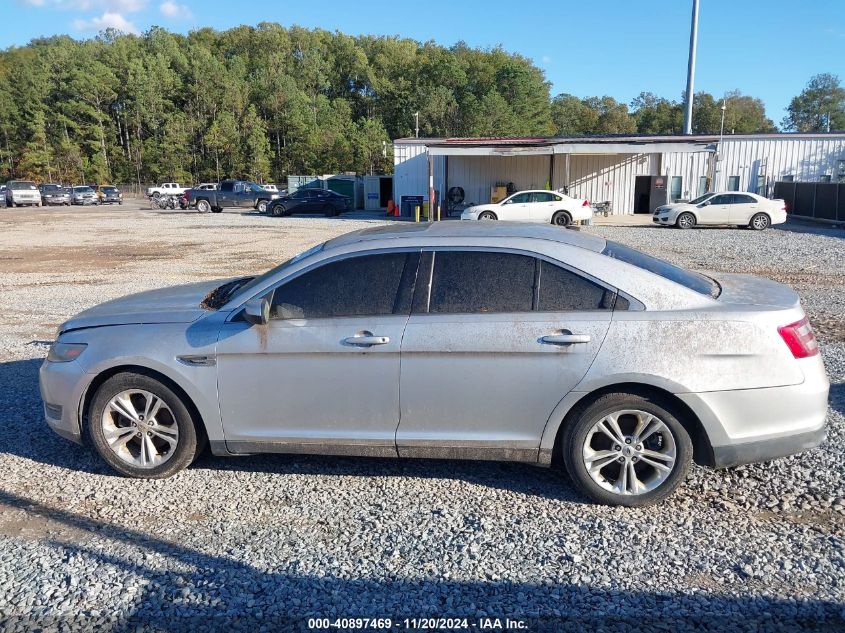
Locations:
694 281
51 188
108 189
254 282
22 185
82 190
700 199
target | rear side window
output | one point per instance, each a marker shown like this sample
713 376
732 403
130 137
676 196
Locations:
564 291
358 286
742 199
479 282
694 281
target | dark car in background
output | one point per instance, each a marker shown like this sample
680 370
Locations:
322 201
52 193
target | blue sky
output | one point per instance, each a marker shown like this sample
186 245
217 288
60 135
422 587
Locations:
766 48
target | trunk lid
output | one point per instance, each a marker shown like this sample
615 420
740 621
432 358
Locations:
755 291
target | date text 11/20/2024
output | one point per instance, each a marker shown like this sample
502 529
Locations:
426 623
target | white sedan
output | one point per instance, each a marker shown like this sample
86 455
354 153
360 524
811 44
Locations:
725 207
533 206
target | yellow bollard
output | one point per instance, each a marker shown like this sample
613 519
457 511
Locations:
417 213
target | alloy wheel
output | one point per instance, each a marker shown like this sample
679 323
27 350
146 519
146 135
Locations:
760 221
629 452
140 428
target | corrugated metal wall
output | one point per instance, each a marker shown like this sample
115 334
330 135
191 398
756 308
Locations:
605 177
477 174
600 177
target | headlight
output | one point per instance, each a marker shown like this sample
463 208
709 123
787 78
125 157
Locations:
65 352
274 196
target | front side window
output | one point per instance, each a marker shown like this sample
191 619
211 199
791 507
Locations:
475 282
519 198
564 291
358 286
701 199
300 194
723 199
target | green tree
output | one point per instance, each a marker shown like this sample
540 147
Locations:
819 107
656 115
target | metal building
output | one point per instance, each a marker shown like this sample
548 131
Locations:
633 173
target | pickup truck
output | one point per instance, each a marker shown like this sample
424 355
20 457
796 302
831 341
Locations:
231 194
166 189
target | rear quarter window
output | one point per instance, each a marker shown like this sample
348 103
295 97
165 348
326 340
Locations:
692 280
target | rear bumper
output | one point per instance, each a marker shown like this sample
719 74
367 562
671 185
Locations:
765 450
756 425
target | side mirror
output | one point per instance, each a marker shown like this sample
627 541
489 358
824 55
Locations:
257 311
706 203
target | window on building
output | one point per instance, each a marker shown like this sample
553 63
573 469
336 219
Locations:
789 178
475 282
675 188
733 183
824 178
703 185
357 286
840 170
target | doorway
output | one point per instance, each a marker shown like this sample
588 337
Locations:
642 194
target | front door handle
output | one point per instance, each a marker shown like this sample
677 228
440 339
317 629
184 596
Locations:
366 339
565 339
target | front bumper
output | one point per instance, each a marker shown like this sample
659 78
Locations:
662 219
62 386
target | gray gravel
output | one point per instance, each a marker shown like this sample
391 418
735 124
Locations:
230 544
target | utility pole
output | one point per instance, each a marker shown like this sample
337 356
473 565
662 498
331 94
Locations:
416 124
693 41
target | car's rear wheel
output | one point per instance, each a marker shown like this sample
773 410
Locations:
141 428
487 215
626 449
217 209
262 206
561 218
685 221
760 222
203 206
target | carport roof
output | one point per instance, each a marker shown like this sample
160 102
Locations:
603 144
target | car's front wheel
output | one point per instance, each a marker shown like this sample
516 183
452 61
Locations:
759 222
262 206
141 428
685 221
626 449
487 215
277 210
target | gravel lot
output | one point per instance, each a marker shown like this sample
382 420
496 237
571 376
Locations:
231 542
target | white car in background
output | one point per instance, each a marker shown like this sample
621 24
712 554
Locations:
166 189
548 207
272 188
723 207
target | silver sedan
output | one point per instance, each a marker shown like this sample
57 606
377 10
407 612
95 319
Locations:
455 340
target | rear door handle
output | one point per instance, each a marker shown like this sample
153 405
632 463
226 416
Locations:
565 339
366 339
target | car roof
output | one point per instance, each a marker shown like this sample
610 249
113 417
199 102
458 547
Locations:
471 229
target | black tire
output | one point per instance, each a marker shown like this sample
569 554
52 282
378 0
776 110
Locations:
156 194
261 206
760 222
685 221
487 215
577 430
189 445
217 209
277 210
203 205
561 218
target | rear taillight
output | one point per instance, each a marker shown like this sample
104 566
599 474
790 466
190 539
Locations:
586 203
799 338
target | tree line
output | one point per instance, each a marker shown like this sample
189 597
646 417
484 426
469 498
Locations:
263 102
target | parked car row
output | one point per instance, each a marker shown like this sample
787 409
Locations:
243 194
26 193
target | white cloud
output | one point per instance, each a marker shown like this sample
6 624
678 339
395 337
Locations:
171 9
109 20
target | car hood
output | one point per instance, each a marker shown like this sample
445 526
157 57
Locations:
176 304
678 206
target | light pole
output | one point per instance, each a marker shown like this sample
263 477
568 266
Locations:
417 124
722 126
693 40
